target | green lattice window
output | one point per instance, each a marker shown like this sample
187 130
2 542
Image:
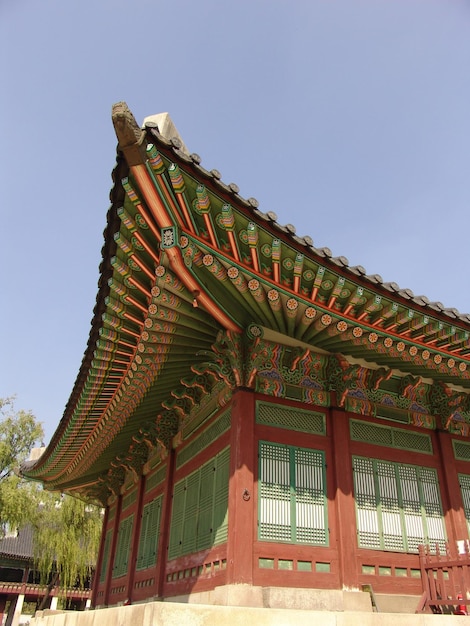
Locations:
104 563
292 494
398 506
464 480
390 437
461 450
200 508
291 418
149 534
123 547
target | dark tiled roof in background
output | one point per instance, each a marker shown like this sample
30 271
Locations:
20 546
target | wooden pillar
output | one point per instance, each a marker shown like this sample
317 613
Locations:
15 610
165 520
112 552
135 539
454 511
241 503
53 604
3 603
345 512
96 574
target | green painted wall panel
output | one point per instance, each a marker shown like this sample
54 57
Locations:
122 556
200 505
177 520
106 549
149 534
222 476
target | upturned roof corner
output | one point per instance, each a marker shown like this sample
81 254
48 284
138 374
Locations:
130 136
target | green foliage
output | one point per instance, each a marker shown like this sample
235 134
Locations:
66 538
18 501
19 432
66 531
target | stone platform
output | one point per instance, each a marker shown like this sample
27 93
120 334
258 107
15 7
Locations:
178 614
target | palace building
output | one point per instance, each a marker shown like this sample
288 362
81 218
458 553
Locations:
263 423
21 587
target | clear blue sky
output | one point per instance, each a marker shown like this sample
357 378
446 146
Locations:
348 118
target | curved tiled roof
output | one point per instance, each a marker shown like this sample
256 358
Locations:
306 241
185 258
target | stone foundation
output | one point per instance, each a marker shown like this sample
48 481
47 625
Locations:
176 614
285 598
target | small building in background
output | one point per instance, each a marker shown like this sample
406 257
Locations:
21 591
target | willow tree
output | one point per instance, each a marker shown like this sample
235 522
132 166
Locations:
66 539
66 531
19 432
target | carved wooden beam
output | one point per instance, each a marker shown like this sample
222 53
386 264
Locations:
447 403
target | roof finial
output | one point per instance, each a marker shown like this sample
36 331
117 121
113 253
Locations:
130 135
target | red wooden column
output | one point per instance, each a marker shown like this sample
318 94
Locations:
99 564
165 520
241 504
345 511
3 603
112 551
453 508
135 540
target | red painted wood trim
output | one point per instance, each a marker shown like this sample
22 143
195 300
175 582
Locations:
3 602
96 576
345 512
241 498
165 520
112 552
450 489
135 540
185 211
290 437
233 246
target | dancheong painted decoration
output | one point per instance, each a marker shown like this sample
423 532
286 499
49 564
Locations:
251 411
